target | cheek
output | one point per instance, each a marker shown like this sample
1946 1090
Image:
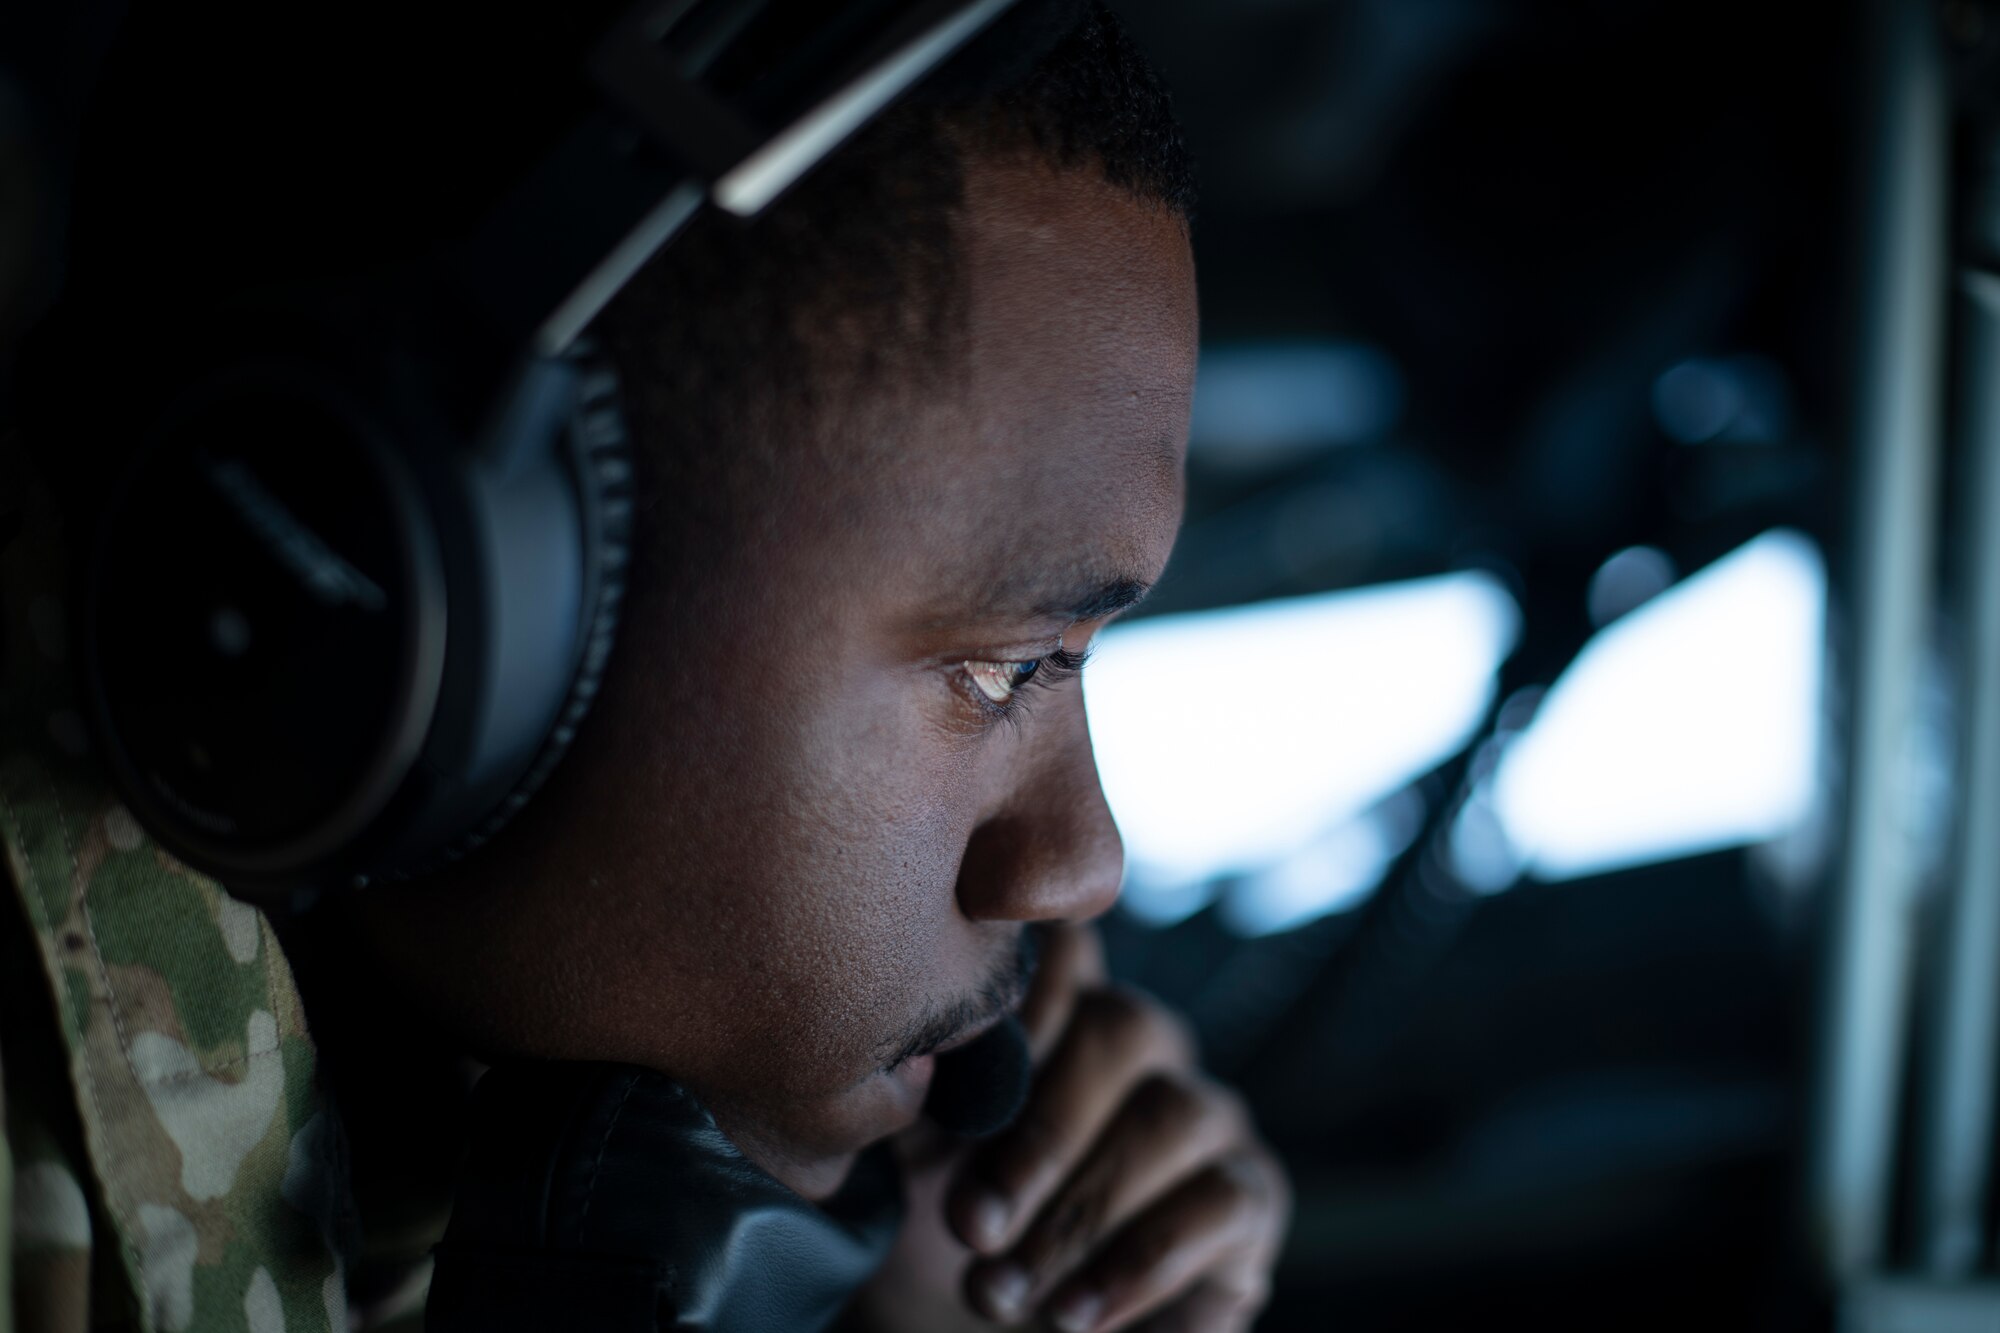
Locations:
811 871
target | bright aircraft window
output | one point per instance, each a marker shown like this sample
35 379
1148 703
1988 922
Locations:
1690 724
1260 743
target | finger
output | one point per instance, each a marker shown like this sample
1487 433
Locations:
1072 962
1209 1308
1212 1226
1167 1128
1114 1039
923 1149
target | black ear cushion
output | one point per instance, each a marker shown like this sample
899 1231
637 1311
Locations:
603 464
604 1197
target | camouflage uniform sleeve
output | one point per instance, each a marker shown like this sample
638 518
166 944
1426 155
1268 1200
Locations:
205 1144
45 1262
9 1228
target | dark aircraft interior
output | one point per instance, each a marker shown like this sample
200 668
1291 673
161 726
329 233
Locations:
1555 768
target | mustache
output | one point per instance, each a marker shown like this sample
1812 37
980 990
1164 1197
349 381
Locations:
1003 988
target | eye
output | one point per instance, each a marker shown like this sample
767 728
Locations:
998 680
1004 686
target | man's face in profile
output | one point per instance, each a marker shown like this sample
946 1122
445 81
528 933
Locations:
824 791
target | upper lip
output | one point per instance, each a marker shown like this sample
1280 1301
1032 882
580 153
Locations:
975 1032
965 1036
1019 984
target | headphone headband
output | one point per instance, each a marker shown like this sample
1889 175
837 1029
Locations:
667 140
358 587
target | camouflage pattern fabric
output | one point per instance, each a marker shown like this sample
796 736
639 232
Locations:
50 1214
174 1167
7 1211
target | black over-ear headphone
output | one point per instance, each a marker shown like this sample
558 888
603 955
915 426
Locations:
351 599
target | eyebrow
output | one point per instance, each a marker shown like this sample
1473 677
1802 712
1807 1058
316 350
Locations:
1062 594
1102 600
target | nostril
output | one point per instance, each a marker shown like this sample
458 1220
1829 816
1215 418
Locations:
1064 866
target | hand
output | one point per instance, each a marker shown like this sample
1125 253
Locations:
1133 1188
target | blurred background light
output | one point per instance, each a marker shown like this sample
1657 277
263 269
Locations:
1231 742
1689 725
1335 871
1256 404
1627 580
1723 400
1482 856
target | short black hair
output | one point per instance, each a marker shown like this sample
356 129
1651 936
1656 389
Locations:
236 144
735 340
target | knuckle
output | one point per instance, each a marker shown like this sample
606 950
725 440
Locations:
1148 1251
1236 1186
1233 1110
1067 1227
1224 1117
1130 1020
1173 1034
1269 1184
1162 1106
1018 1160
1255 1193
1238 1318
1113 1016
1221 1310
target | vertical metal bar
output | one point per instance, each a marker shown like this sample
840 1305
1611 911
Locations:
1897 424
1956 1109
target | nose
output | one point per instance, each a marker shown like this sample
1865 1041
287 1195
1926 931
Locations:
1050 850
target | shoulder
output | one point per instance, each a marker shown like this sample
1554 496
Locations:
161 1073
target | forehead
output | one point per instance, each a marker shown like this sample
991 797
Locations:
1062 445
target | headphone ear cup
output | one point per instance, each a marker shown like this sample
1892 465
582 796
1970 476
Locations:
263 619
324 645
600 451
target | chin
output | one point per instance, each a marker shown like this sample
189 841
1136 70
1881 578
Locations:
811 1152
818 1180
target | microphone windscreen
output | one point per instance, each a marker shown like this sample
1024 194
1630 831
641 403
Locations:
979 1088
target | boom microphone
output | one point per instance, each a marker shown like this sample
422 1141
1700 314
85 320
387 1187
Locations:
980 1087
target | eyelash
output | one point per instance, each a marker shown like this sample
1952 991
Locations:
1051 670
